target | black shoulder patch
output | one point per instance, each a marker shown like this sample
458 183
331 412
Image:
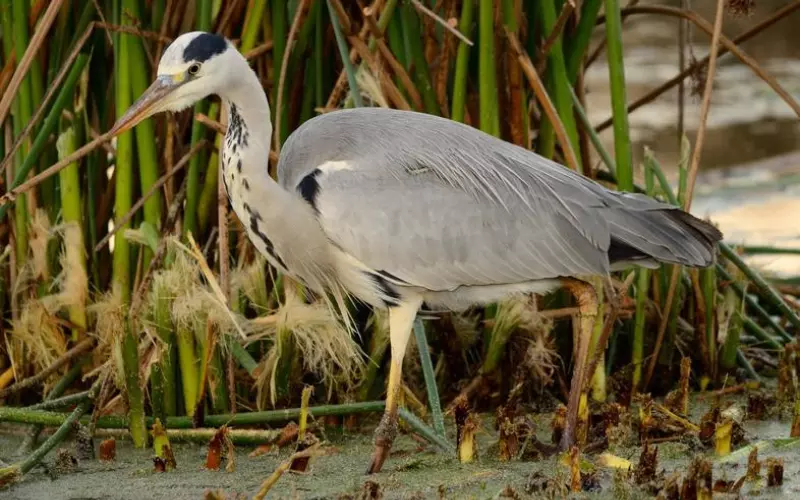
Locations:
204 47
309 187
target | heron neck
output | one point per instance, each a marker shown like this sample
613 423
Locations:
249 122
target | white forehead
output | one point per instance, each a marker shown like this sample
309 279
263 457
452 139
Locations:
195 46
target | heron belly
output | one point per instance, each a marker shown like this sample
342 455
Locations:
465 297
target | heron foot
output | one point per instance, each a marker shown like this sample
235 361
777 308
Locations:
384 437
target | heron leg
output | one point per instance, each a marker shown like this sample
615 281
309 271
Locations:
586 297
401 321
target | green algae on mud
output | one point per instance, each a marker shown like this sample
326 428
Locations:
409 472
413 471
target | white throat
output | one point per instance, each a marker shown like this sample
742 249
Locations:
244 161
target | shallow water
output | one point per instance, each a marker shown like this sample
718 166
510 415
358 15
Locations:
749 180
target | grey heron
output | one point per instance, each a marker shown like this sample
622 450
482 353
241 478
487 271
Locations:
398 208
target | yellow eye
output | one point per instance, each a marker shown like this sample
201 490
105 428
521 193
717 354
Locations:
194 69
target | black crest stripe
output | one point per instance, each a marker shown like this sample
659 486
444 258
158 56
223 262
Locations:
204 47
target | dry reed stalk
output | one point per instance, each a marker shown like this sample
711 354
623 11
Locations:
386 82
544 99
31 50
83 346
150 192
299 18
397 68
566 11
695 164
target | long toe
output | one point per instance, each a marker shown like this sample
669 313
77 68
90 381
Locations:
378 457
384 437
568 438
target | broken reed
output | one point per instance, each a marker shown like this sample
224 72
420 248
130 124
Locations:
415 60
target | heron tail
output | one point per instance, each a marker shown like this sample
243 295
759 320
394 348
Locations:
661 233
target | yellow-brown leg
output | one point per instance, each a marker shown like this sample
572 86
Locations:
401 321
586 297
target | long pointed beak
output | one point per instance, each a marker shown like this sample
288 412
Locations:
148 104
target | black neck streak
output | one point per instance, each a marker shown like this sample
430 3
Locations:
237 134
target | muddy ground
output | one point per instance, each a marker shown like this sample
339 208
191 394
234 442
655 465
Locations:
413 471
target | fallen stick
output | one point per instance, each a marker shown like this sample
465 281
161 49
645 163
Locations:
81 347
13 473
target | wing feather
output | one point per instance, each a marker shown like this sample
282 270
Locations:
439 204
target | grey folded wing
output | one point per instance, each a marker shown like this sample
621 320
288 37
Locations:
427 233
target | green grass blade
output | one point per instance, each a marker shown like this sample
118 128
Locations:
430 377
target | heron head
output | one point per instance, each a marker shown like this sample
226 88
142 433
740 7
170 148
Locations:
194 66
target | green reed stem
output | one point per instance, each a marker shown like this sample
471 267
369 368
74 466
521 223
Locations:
243 357
318 55
32 89
578 42
123 171
135 396
279 36
25 416
165 330
487 82
53 404
752 305
355 94
593 137
742 360
560 86
426 432
72 214
759 333
616 74
62 100
422 76
190 222
766 250
252 25
147 157
708 283
640 317
239 437
21 107
14 472
732 303
190 371
767 292
55 393
465 26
